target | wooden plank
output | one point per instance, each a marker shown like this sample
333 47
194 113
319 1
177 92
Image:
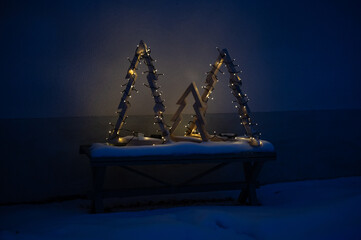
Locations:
212 169
172 160
85 149
209 187
176 159
145 175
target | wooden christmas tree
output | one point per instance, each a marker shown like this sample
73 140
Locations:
142 53
235 84
199 107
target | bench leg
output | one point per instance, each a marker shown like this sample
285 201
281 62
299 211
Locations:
248 194
98 182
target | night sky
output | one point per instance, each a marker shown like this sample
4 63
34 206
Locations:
68 58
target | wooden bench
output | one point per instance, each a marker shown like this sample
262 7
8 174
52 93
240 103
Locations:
252 165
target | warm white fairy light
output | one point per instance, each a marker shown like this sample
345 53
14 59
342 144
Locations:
142 54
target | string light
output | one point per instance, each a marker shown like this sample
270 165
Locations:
235 85
152 77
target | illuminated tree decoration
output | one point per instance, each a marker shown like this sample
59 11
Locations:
199 107
235 84
142 53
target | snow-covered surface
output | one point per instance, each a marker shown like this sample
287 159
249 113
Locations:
327 209
178 148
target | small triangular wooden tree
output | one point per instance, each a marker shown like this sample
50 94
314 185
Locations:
199 108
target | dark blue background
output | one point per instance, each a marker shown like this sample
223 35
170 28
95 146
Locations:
68 58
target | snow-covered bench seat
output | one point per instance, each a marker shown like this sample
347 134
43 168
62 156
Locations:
102 156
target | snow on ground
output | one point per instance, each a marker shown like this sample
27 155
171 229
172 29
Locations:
327 209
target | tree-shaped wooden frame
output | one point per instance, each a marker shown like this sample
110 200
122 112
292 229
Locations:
235 84
142 52
199 108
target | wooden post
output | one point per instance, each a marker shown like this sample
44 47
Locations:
98 182
248 194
